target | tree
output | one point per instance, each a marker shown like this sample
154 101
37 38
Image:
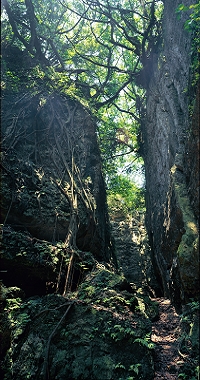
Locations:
99 51
124 197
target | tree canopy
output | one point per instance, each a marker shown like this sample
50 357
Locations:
99 51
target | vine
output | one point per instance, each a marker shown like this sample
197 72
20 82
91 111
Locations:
44 134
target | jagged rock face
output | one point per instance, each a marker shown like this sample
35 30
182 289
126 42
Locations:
100 332
191 158
171 222
133 252
52 183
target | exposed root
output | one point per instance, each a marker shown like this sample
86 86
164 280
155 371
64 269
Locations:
46 359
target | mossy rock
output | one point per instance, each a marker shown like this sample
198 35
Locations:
89 344
188 250
100 337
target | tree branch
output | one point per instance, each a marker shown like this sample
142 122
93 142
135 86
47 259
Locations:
126 111
13 25
115 96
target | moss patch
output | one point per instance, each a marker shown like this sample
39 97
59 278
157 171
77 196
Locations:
188 258
104 335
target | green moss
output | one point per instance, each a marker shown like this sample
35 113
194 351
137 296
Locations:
188 247
98 281
189 341
189 239
100 338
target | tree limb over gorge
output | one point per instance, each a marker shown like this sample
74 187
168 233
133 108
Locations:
103 47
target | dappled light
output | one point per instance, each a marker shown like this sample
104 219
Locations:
99 263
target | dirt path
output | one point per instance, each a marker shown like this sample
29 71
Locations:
135 263
165 333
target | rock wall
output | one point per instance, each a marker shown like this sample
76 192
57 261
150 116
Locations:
100 332
133 252
52 187
171 162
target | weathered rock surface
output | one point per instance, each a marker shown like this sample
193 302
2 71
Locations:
102 331
52 188
170 141
54 208
54 219
133 252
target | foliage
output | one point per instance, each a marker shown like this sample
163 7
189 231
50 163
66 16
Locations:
13 307
192 26
146 341
192 22
89 327
189 341
112 292
18 246
43 49
124 196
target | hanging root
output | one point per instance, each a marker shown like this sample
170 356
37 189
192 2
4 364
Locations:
69 275
46 359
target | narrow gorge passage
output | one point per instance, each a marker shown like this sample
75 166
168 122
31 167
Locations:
132 250
134 258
